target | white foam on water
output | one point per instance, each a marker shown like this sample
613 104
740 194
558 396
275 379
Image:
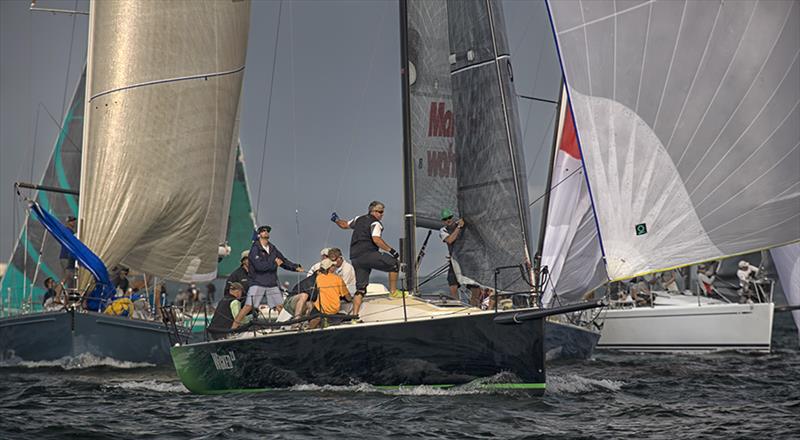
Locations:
574 384
79 362
149 385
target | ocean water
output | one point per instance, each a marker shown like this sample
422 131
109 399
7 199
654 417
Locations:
721 395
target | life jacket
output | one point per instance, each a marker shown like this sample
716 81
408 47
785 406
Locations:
361 242
223 317
120 307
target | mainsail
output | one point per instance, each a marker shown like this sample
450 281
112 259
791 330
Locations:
492 190
431 105
163 87
686 115
571 249
35 255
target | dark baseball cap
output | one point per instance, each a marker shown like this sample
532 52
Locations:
268 228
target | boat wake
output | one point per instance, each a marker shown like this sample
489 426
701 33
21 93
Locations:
574 384
83 361
478 386
148 385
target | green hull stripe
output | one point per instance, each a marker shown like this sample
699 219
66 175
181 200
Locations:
490 386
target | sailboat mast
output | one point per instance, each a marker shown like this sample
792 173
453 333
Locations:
409 220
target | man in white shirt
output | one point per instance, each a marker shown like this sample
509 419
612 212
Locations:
343 268
746 274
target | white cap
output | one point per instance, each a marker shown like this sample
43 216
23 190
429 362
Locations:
326 264
324 252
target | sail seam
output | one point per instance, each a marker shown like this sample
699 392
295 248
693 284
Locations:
168 80
606 17
481 64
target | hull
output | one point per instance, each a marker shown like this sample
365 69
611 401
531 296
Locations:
688 328
566 341
440 351
50 336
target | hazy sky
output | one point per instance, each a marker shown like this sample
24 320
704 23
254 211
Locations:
334 134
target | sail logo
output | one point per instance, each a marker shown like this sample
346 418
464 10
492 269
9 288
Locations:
442 163
440 123
223 361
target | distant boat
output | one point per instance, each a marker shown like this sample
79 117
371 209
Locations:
684 113
158 162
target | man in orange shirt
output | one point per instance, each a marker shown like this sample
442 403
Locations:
331 289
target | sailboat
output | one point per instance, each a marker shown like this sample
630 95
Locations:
787 263
684 114
157 164
461 104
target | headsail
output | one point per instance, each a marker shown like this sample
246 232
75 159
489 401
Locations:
164 81
432 121
787 261
686 115
36 254
571 248
492 190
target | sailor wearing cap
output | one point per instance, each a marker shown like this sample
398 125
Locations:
264 260
449 233
228 307
240 275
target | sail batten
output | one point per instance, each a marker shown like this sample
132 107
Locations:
164 83
686 133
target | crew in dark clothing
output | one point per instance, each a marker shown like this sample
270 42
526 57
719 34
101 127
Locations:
50 285
364 254
66 259
265 258
228 307
120 279
241 274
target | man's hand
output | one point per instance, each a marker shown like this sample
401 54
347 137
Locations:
394 254
300 269
460 223
278 261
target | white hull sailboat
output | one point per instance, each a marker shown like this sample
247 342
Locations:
677 323
684 113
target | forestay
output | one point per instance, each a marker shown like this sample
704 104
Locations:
164 81
492 190
687 115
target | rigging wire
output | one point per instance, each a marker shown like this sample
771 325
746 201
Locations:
269 106
69 61
294 128
356 119
555 186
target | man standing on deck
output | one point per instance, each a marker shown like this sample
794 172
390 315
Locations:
364 246
264 260
66 258
449 233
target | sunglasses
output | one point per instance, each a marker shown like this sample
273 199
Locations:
379 212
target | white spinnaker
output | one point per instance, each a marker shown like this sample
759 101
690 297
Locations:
571 250
163 87
787 261
688 118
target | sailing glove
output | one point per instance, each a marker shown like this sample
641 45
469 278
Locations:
394 254
334 217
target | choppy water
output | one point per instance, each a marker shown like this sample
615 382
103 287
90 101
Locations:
724 395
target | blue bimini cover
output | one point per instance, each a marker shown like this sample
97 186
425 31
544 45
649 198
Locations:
103 290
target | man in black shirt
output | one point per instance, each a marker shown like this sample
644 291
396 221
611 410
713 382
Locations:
240 274
364 250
